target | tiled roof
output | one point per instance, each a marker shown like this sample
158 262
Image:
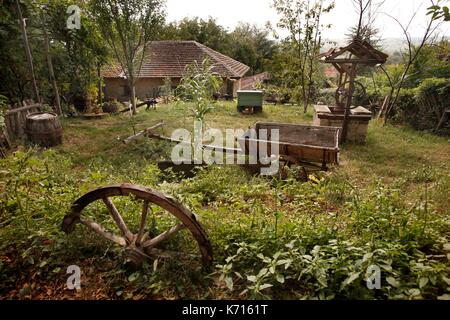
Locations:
170 58
330 72
248 83
361 49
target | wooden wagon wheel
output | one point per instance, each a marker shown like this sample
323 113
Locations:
341 94
137 244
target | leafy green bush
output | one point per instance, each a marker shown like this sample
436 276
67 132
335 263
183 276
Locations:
423 107
3 109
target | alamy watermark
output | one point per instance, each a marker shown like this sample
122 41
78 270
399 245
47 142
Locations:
373 277
256 147
74 280
74 20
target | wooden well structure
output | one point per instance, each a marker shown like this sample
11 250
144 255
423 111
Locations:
346 61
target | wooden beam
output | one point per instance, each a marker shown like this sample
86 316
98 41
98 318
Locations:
143 132
358 61
204 146
17 110
444 119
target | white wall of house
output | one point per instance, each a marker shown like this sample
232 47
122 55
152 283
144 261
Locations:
117 88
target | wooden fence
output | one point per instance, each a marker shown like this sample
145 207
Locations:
15 120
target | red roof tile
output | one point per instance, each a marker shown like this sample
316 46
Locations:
170 58
249 83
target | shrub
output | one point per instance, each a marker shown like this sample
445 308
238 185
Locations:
422 108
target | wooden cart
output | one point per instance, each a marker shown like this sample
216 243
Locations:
308 146
298 144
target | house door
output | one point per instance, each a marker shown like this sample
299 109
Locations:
230 87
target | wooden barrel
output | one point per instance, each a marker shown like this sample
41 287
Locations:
44 129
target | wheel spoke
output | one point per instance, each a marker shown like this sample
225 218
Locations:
143 222
118 219
163 236
102 231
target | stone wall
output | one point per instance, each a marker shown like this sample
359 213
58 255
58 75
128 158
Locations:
358 122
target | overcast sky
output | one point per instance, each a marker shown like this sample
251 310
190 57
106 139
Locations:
229 12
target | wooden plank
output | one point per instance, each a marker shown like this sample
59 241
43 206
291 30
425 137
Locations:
208 147
143 132
444 119
35 106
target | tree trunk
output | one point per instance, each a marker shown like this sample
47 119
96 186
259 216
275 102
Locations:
52 74
305 103
100 91
28 50
133 98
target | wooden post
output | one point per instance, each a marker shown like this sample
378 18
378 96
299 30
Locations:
27 50
100 93
52 73
349 103
384 106
444 119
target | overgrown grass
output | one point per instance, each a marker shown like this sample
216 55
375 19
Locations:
385 205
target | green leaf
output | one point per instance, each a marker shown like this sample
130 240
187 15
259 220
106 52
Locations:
444 297
251 278
262 272
353 276
423 282
229 283
414 292
393 282
446 280
367 256
434 8
56 270
133 277
280 278
386 267
265 286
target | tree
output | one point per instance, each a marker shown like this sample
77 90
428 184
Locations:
76 53
27 49
439 12
365 29
413 52
128 27
206 32
247 43
252 46
302 20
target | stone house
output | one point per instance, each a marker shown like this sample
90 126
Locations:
168 59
